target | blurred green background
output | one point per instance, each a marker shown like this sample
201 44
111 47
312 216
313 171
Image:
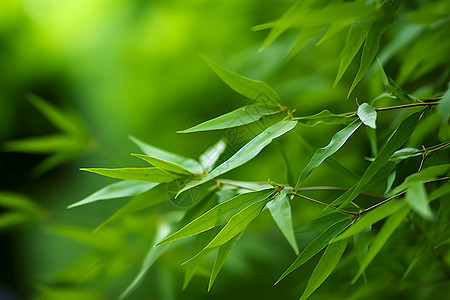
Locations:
132 68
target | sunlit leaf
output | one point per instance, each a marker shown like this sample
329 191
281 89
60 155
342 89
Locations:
141 174
209 158
326 117
252 89
367 114
325 266
246 153
371 217
385 233
165 165
315 246
336 142
280 209
417 198
124 188
218 215
241 116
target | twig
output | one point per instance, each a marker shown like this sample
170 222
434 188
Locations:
322 203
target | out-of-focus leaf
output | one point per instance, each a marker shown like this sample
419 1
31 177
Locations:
218 215
141 174
315 246
153 196
334 29
252 89
385 233
325 266
336 142
17 202
280 209
326 117
287 165
192 165
401 134
165 165
304 37
149 260
394 89
372 42
209 158
322 223
124 188
224 252
246 153
19 210
11 219
241 116
43 144
361 242
372 217
444 106
368 115
417 198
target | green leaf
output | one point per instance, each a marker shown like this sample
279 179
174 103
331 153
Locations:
372 42
253 89
12 219
417 198
323 222
280 209
246 153
141 174
121 189
316 245
326 117
444 106
385 233
241 116
41 145
224 252
153 196
209 158
165 165
401 134
17 202
325 266
337 141
192 165
218 215
367 114
284 159
152 255
372 217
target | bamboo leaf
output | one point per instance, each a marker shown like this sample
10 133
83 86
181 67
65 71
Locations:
280 209
253 89
385 233
224 252
337 141
287 165
246 153
444 106
325 266
326 117
241 116
209 158
141 174
315 246
323 222
367 114
17 202
218 215
372 217
165 165
192 165
152 255
417 198
121 189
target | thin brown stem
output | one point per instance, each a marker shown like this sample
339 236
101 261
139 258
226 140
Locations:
324 204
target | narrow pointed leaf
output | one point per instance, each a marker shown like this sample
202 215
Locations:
372 217
17 202
325 266
152 255
246 153
385 233
367 114
192 165
280 209
252 89
337 141
417 198
209 158
316 245
218 215
43 144
444 106
326 117
165 165
241 116
287 165
224 252
141 174
121 189
323 222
